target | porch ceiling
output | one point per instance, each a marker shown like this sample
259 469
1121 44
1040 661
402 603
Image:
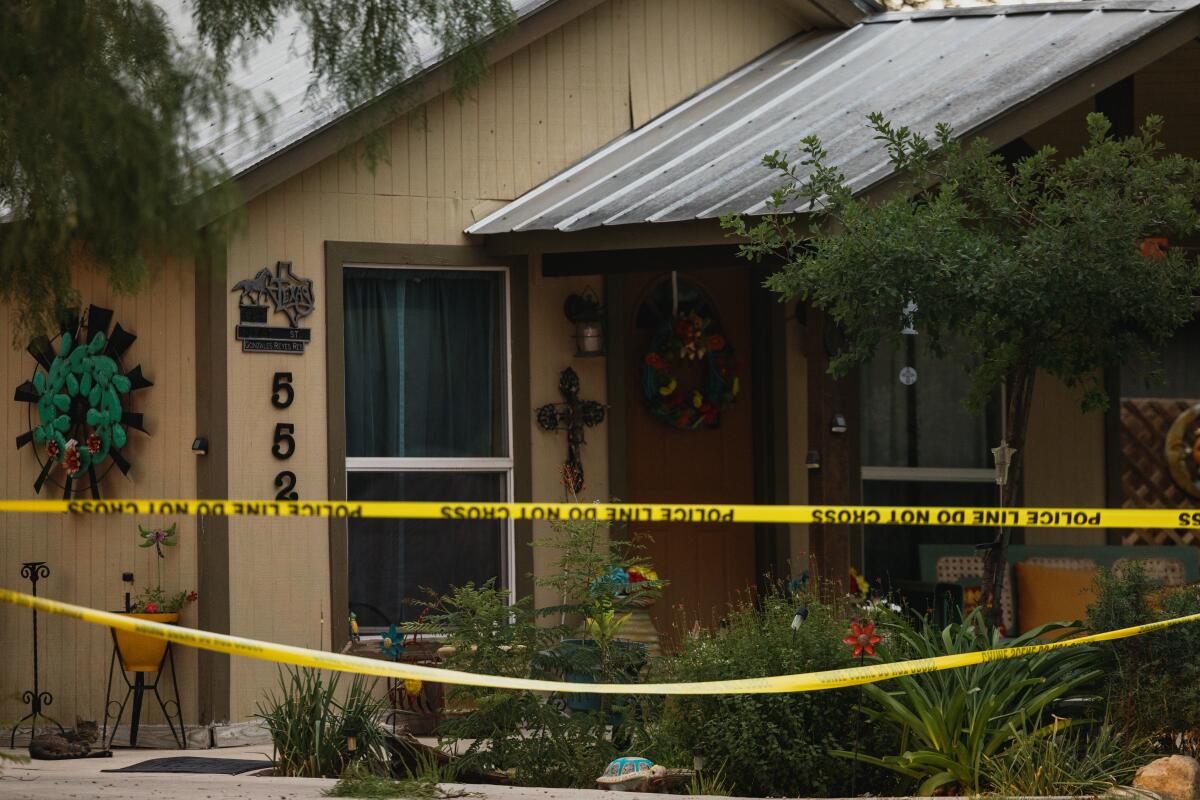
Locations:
968 67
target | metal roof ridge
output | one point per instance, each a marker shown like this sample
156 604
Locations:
1014 9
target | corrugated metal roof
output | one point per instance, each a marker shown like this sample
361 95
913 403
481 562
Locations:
702 158
276 74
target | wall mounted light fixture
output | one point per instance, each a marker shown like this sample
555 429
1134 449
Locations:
838 424
587 313
812 460
200 446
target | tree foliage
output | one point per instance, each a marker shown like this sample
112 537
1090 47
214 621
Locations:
100 101
1037 266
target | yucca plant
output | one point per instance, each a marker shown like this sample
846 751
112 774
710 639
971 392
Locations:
1074 762
953 721
318 732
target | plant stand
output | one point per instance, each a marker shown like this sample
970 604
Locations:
136 689
33 571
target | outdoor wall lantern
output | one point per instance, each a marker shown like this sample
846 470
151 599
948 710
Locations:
838 424
586 312
812 460
200 446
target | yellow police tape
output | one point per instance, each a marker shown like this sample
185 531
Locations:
807 682
638 512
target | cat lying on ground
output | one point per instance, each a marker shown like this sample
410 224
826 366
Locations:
76 743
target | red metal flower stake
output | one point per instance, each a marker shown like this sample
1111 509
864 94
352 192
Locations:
862 639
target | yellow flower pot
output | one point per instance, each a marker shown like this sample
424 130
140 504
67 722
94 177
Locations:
142 653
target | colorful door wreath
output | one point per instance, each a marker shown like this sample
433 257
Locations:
689 337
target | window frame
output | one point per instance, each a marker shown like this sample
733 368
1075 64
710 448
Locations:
504 465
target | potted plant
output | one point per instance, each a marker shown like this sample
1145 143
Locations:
603 582
145 653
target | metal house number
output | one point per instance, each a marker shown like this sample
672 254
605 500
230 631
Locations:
283 443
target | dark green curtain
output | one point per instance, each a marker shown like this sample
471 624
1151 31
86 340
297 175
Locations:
425 377
375 384
425 363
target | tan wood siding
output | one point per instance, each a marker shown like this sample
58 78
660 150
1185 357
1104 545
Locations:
538 111
279 567
86 555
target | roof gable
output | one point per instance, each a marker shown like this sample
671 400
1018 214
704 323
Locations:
968 67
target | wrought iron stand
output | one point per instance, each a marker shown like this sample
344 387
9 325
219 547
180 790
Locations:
33 571
137 689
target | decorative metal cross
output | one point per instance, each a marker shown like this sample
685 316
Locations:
571 415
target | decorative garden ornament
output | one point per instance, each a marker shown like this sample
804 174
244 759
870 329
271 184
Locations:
862 638
392 644
630 774
78 396
690 337
571 415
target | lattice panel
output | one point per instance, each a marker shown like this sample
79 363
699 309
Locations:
1145 479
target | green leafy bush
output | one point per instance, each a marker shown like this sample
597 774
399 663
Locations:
766 744
521 733
529 736
312 723
1152 681
951 722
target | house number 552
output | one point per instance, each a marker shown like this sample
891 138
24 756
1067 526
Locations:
283 444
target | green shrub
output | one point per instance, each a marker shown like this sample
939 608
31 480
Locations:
1152 681
951 722
311 727
766 744
521 733
1074 762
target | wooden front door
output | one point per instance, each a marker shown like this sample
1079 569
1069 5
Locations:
708 565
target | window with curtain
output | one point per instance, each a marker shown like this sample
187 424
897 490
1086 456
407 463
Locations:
427 418
921 447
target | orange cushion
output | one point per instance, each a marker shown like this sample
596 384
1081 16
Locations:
1052 594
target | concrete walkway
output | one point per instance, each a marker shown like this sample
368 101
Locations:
84 778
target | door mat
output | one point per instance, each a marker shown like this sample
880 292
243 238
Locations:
204 766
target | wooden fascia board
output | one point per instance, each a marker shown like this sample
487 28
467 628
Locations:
622 237
329 140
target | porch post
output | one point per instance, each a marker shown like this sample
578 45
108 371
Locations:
836 481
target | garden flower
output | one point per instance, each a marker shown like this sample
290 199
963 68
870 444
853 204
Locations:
192 595
412 687
862 638
151 608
